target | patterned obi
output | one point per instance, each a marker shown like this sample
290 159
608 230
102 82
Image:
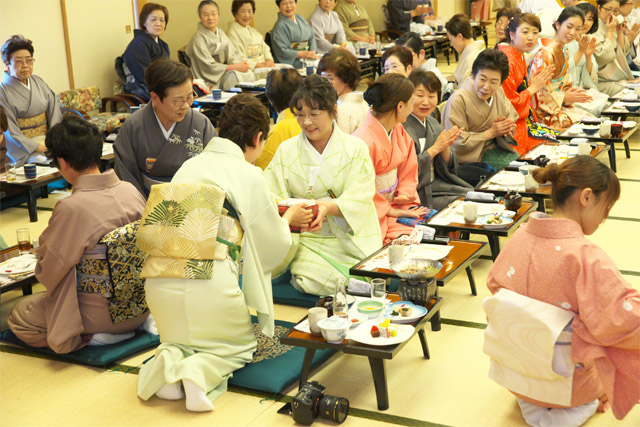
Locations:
33 126
184 228
92 273
386 184
254 52
301 45
330 37
359 26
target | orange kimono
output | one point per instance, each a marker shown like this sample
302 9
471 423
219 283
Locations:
529 133
396 165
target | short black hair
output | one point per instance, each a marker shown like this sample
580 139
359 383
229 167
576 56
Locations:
237 4
343 64
428 79
163 74
150 7
13 44
76 141
589 8
279 1
317 93
412 41
460 24
403 54
242 117
203 3
492 59
280 87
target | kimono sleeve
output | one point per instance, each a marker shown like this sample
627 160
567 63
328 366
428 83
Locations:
315 20
137 57
408 169
203 61
548 99
54 115
126 161
14 136
275 174
470 143
340 34
605 49
521 101
344 19
233 54
281 43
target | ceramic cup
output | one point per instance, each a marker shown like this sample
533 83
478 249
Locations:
584 149
30 171
363 51
530 184
315 315
605 129
470 212
216 94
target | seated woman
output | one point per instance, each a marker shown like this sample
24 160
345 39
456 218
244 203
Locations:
247 40
30 105
154 141
612 48
580 282
342 69
326 165
484 114
553 104
4 125
205 324
631 13
146 47
398 59
581 50
393 153
438 183
280 87
76 303
292 39
460 35
214 58
503 17
355 21
521 36
327 27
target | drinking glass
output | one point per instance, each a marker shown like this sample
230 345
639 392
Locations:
378 289
10 168
24 241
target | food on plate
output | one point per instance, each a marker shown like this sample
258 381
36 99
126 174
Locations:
494 219
385 323
375 331
405 311
354 320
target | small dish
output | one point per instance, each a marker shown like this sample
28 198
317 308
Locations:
355 321
628 124
590 129
417 311
632 106
504 222
334 329
370 308
573 131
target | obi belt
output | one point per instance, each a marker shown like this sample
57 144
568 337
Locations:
360 26
33 126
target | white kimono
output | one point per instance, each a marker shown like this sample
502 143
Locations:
210 53
249 43
465 62
344 169
205 325
327 29
352 110
30 111
289 37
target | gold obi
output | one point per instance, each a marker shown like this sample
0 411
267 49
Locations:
184 228
360 26
330 37
254 52
33 126
303 45
92 273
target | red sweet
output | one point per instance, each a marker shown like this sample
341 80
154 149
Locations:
375 332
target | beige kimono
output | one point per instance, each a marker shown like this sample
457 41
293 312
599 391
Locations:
474 116
612 62
59 317
465 62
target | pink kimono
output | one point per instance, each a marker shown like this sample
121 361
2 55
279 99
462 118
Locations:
550 260
396 166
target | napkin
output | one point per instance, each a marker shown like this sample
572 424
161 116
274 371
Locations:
303 326
359 286
427 232
19 264
483 196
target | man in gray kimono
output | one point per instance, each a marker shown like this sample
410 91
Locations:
154 141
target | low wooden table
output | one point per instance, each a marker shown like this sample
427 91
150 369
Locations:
539 195
462 254
29 187
376 355
370 67
24 282
493 235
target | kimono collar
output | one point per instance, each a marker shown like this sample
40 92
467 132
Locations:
417 119
468 87
106 179
320 10
8 79
224 146
205 30
371 122
281 16
543 225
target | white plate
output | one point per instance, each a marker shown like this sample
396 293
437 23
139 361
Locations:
510 180
20 264
628 124
433 252
483 208
362 334
417 312
483 221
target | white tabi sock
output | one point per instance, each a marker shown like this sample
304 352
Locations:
569 417
532 413
103 338
172 391
149 325
197 399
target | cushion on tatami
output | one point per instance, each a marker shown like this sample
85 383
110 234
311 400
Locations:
95 355
284 293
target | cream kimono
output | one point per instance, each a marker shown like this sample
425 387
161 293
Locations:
612 61
210 53
465 62
344 169
249 43
204 324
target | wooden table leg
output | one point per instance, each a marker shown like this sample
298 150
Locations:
435 322
627 151
31 205
472 282
27 289
540 200
612 156
423 341
494 244
44 191
380 382
306 366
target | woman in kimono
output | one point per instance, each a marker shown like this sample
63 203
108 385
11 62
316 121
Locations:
355 21
553 104
146 47
342 69
483 112
521 35
247 40
460 35
401 13
585 299
30 105
438 183
280 87
326 165
154 141
214 58
503 17
398 59
392 152
612 48
581 50
202 315
327 27
292 39
77 308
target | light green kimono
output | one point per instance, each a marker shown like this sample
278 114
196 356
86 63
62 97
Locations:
346 169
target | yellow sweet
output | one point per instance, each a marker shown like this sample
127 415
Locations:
385 324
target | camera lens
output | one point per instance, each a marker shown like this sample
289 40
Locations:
333 408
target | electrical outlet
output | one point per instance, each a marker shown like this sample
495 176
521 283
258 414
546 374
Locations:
127 29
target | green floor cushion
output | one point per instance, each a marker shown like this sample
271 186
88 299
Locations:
284 293
96 355
274 366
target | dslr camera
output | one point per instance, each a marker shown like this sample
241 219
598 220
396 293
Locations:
311 402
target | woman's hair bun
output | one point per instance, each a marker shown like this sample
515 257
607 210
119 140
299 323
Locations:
549 173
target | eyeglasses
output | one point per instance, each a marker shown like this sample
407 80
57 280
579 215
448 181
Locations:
393 68
178 102
613 11
19 62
